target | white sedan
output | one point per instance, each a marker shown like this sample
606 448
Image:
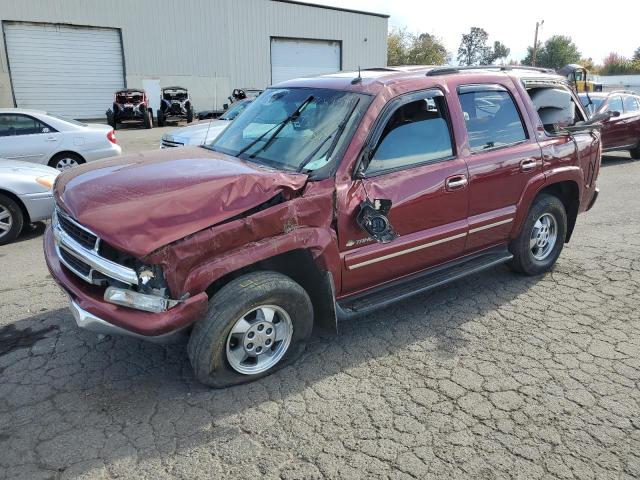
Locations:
47 139
205 131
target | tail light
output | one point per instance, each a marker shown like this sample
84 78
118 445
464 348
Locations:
111 136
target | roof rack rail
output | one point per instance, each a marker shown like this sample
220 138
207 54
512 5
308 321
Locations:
449 70
380 69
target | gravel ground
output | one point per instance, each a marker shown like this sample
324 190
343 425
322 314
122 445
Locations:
495 376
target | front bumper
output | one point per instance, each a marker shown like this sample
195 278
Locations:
95 313
39 205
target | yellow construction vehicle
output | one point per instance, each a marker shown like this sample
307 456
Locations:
577 76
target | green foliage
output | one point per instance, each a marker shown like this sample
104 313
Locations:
474 50
500 51
616 64
636 55
556 52
404 48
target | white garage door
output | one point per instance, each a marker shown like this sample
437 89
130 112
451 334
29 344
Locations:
71 71
293 58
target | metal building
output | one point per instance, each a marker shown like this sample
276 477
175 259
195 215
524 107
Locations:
69 56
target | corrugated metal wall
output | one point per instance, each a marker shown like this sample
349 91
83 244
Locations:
202 43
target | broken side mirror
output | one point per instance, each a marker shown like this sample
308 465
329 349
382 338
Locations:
615 114
372 218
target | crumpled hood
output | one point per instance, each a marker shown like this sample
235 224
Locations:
138 203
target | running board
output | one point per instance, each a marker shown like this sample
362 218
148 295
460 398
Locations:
379 297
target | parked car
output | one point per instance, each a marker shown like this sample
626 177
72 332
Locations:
130 106
175 105
622 131
25 196
202 132
238 95
325 199
49 139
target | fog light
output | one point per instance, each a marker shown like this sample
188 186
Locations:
140 301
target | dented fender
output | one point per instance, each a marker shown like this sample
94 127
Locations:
192 264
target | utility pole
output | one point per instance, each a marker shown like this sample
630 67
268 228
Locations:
535 43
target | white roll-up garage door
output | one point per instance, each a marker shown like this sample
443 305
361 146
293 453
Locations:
293 58
71 71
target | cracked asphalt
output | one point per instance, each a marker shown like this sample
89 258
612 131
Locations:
495 376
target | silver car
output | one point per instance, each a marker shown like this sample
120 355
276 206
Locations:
25 196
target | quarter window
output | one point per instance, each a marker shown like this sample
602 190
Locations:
492 119
417 132
12 125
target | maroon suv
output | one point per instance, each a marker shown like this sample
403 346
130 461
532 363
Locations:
326 198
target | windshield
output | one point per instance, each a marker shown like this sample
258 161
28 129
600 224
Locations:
235 110
595 104
68 120
293 128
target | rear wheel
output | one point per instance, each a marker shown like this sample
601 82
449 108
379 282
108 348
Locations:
11 220
542 237
190 114
635 153
160 118
148 120
255 325
65 161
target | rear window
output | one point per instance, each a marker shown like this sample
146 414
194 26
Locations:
491 117
631 104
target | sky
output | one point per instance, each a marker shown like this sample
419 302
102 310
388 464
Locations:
595 31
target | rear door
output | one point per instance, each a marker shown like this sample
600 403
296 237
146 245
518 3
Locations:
413 163
631 105
23 137
503 157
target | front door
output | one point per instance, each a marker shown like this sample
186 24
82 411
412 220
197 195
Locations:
614 130
503 157
23 137
411 161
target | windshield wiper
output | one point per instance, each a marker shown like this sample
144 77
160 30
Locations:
336 136
278 128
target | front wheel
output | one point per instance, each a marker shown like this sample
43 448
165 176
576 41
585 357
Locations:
160 118
11 220
255 325
542 237
635 153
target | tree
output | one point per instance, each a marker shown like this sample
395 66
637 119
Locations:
500 51
427 49
404 48
398 41
473 48
636 55
615 64
556 52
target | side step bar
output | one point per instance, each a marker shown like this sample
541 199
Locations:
392 292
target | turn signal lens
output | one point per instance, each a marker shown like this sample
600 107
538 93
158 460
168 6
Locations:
140 301
111 136
46 182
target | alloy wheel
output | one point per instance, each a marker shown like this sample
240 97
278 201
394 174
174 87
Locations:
544 236
6 221
66 163
259 339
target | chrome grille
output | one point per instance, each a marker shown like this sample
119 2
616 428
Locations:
79 234
74 263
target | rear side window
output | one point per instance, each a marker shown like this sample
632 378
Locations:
417 132
12 125
491 117
631 104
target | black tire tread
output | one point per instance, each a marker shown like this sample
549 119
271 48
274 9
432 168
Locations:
18 219
239 294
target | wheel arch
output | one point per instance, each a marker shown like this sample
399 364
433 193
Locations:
568 192
65 152
301 267
16 198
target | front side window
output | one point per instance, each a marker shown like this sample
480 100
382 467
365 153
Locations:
615 105
13 125
491 118
417 132
631 104
235 110
296 129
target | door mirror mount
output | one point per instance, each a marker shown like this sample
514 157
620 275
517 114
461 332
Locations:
372 218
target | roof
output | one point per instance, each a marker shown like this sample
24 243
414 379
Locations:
372 80
131 90
23 110
329 7
173 88
567 69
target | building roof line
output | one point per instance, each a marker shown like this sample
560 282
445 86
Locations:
329 7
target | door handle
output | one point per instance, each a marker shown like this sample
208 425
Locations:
528 164
51 139
456 182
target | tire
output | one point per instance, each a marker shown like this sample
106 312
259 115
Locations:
212 339
547 211
190 113
635 153
111 119
65 160
11 220
160 118
148 120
